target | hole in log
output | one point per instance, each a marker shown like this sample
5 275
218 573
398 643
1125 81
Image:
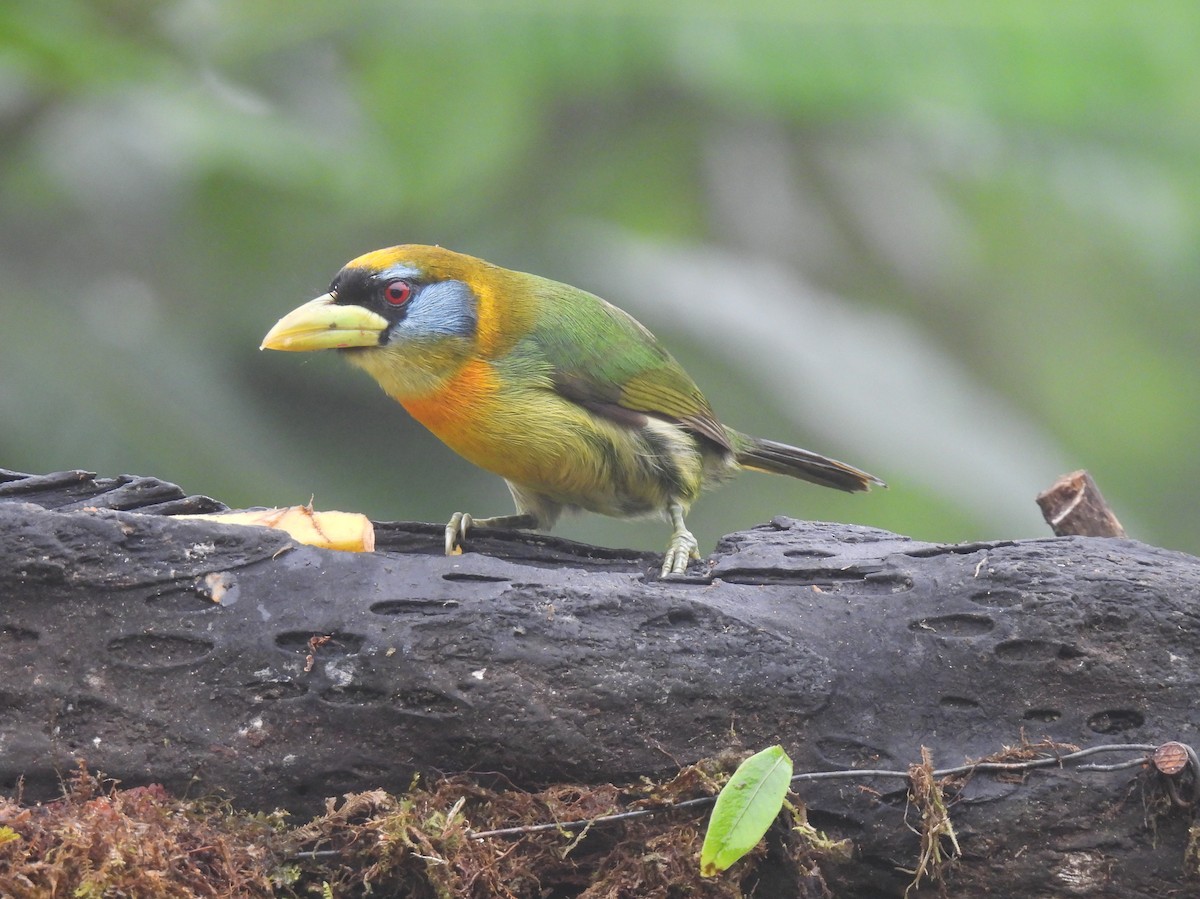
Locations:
958 703
681 615
894 581
404 606
1029 651
675 617
954 625
369 771
1000 599
353 694
12 633
478 578
425 700
150 652
181 599
1115 721
273 691
81 720
1108 621
339 643
847 752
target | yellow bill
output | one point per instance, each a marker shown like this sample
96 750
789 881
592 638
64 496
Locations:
322 324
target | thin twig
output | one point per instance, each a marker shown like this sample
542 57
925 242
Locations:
852 774
603 819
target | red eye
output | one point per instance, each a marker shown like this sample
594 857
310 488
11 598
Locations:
397 292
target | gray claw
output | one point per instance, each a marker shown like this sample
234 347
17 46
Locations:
456 532
683 548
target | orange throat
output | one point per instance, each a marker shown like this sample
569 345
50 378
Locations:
453 412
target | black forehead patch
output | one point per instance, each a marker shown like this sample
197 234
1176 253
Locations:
353 286
357 286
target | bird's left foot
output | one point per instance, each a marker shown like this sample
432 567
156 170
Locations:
683 547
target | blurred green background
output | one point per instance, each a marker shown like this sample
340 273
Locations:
955 244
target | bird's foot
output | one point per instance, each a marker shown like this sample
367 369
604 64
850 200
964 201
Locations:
461 522
682 549
456 532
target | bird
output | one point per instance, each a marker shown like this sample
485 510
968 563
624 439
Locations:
569 399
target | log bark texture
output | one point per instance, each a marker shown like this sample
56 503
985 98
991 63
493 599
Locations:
546 660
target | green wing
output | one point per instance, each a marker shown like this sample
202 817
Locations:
605 360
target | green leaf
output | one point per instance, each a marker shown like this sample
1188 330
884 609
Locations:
745 808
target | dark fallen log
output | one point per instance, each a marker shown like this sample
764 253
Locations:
545 660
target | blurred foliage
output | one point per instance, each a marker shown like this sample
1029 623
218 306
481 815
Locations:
956 244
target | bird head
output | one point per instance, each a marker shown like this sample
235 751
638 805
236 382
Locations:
410 316
387 298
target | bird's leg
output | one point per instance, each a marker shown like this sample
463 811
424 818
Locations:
461 522
683 545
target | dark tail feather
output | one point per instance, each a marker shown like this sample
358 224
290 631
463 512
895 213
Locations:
779 458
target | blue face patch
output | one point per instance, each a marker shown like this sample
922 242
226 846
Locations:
441 309
407 272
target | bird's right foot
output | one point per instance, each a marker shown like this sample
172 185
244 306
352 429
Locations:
461 522
456 532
